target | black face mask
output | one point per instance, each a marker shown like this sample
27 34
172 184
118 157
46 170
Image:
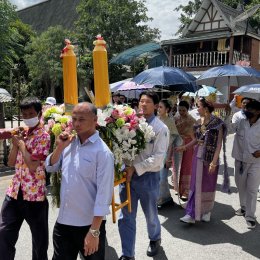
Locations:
249 114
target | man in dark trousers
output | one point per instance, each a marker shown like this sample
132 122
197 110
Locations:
26 195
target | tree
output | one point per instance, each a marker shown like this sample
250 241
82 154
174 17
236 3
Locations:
9 36
120 22
43 60
122 25
188 11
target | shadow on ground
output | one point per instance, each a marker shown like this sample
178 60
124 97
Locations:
201 233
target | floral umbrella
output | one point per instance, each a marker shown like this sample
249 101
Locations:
131 85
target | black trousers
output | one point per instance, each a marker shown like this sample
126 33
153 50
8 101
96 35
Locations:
68 242
13 213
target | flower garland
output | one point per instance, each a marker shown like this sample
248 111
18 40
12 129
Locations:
55 122
125 132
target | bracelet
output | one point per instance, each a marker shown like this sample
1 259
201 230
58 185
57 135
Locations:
212 165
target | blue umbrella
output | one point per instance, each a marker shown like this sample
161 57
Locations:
229 75
173 78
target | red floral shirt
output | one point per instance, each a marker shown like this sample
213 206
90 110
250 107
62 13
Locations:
32 183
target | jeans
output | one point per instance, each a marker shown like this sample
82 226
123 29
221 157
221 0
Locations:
146 189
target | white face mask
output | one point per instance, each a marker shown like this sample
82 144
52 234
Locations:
32 122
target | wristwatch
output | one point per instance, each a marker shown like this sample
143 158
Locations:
94 232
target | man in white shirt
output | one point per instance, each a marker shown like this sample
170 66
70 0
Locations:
246 151
240 114
145 179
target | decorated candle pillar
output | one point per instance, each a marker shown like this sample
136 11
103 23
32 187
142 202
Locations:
70 85
101 81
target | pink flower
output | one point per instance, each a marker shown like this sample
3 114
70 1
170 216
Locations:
68 127
115 114
133 124
63 127
51 123
110 120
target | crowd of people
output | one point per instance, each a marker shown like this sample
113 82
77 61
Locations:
187 141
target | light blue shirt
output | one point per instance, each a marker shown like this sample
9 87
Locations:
87 181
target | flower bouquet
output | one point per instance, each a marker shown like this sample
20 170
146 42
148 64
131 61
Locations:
125 132
55 122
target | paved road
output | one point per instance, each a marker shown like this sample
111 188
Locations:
225 237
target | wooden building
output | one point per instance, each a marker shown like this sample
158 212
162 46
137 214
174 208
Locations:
212 40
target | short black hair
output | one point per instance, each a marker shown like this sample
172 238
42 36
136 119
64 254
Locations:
184 103
31 102
116 94
151 94
253 105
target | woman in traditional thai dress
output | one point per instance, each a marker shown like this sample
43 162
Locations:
163 111
210 132
185 125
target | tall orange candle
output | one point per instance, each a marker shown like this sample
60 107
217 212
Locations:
70 85
101 81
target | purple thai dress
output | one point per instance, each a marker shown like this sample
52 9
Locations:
203 185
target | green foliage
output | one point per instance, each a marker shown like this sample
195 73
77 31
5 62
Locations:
139 65
43 60
188 12
120 22
8 34
255 19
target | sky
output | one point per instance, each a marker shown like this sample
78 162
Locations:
162 12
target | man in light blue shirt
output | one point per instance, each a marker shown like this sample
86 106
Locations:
145 179
87 167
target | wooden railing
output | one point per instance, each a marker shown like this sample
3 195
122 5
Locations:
206 59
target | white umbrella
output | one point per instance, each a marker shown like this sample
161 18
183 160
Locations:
250 91
206 91
203 92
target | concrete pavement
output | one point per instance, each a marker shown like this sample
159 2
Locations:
225 237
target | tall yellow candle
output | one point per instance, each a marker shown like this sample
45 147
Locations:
70 85
101 81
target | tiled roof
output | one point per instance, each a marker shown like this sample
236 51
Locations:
50 13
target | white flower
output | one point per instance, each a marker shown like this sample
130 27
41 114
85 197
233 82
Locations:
103 115
57 117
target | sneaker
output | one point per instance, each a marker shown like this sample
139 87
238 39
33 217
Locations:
187 219
206 217
240 212
258 199
250 224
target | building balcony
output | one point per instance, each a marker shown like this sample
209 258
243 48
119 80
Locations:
206 59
